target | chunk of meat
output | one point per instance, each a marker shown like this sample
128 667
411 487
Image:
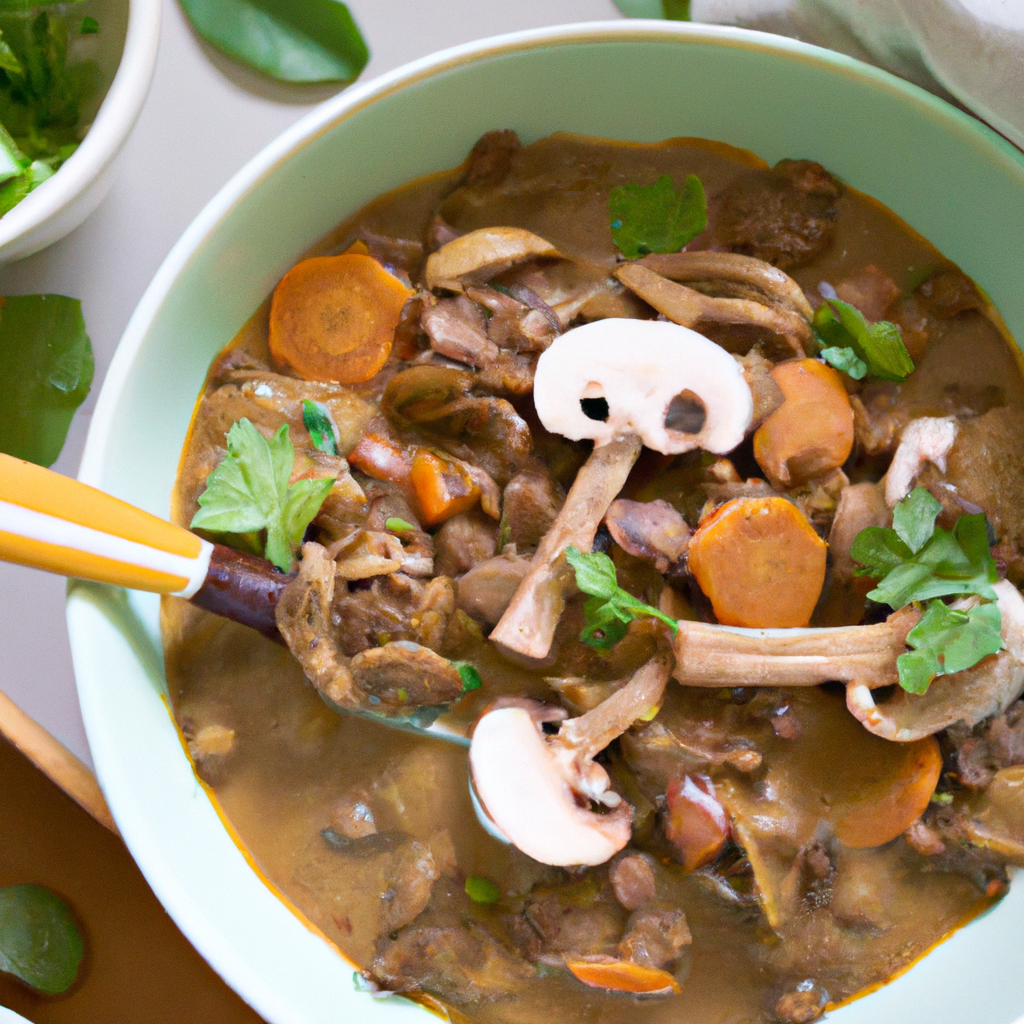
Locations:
488 588
400 677
633 882
530 503
949 292
490 159
802 1005
463 963
514 325
871 290
464 541
394 607
456 330
785 216
655 937
652 530
999 743
567 923
859 506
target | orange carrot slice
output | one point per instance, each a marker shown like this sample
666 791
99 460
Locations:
696 824
760 563
623 976
380 458
879 817
334 317
812 431
442 488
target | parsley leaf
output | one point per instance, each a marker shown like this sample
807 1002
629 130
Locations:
397 525
947 640
917 561
846 361
879 345
482 890
317 421
609 609
250 491
471 679
657 218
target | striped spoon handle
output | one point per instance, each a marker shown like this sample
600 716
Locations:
52 522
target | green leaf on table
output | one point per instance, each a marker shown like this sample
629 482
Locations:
609 609
250 491
40 943
947 640
846 361
46 369
676 10
658 217
317 420
291 40
878 345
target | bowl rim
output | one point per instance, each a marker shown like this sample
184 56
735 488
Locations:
108 132
159 873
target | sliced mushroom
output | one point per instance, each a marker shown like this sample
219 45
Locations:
710 655
927 439
654 383
690 307
483 254
988 688
537 789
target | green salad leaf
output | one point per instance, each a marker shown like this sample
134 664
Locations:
658 217
46 370
609 609
879 346
40 943
249 491
41 97
947 640
317 421
291 40
917 562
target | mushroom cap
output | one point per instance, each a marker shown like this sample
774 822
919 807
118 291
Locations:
528 795
482 254
639 367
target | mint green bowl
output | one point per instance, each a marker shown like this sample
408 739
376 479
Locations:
953 180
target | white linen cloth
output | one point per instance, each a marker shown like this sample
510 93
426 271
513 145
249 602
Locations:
968 50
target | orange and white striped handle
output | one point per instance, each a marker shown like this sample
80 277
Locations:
52 522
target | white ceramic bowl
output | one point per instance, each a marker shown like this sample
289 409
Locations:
127 41
949 177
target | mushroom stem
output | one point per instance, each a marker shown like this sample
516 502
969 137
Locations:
591 733
689 307
710 655
528 624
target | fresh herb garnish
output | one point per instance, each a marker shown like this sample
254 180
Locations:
89 27
845 360
290 40
41 97
317 421
879 346
609 609
919 562
46 370
468 674
947 640
40 943
397 525
482 890
657 218
249 491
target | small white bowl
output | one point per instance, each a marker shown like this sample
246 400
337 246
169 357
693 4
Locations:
62 202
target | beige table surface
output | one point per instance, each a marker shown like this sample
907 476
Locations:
203 120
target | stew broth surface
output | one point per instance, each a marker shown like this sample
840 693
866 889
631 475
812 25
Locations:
294 766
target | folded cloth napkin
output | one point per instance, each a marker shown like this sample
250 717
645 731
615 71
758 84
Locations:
968 50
